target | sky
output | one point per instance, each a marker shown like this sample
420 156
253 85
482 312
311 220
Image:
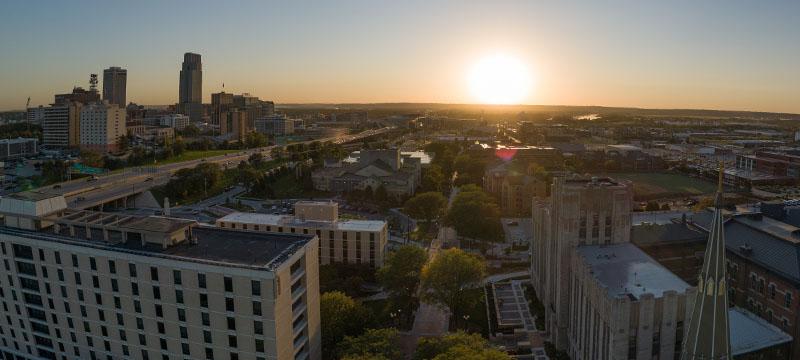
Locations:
711 54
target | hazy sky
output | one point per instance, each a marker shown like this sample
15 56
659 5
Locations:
739 55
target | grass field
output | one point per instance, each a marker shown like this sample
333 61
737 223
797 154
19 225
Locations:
648 186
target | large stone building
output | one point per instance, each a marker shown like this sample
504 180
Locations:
190 89
93 285
114 85
344 241
579 212
101 127
398 174
235 115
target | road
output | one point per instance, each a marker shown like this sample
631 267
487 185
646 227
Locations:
85 193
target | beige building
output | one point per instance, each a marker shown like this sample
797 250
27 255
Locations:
61 125
625 305
349 241
102 125
93 285
579 212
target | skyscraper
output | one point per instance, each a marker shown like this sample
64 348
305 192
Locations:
114 82
190 91
708 335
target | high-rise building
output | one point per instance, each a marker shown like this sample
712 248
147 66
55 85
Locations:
114 82
190 91
101 126
89 285
35 115
61 125
594 211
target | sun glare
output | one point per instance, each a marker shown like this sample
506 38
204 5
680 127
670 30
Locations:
499 79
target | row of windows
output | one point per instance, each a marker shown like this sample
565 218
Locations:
26 253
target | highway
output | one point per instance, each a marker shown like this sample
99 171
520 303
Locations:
89 192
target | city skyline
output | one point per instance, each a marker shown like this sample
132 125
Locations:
714 55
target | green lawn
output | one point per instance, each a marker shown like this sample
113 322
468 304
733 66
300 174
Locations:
647 186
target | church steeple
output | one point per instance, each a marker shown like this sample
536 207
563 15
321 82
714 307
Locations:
708 335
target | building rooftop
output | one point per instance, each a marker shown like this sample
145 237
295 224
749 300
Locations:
750 333
213 246
625 270
289 220
650 234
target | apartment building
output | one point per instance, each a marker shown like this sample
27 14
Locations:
93 285
175 121
61 125
340 241
102 125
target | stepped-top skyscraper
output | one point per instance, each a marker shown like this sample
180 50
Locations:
114 81
190 91
708 335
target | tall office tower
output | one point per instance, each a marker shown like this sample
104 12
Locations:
94 285
594 211
190 92
708 332
61 125
101 126
114 80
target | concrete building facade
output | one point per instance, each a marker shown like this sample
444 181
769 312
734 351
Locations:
101 126
341 241
93 285
579 212
190 89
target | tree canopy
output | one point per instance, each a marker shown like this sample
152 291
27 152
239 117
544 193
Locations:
448 277
427 206
400 275
458 345
475 214
340 316
373 344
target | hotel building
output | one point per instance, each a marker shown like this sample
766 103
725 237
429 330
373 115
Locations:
93 285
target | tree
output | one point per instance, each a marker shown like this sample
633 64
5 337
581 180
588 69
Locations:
703 204
256 159
475 214
340 316
458 345
178 147
400 275
652 206
470 169
433 178
374 343
91 158
448 278
427 206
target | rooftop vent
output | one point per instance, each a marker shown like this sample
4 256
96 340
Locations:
746 249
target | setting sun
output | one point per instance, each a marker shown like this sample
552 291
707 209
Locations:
500 79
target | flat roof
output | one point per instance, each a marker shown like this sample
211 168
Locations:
288 220
215 246
32 196
750 333
626 270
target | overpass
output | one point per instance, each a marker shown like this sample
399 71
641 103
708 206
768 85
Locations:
119 189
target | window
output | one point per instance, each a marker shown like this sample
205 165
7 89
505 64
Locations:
206 319
257 308
258 327
229 304
232 341
201 281
181 315
176 277
787 299
231 323
204 300
156 292
153 273
112 267
228 284
92 264
256 287
179 296
771 289
132 270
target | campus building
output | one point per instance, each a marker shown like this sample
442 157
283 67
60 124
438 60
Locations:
93 285
101 127
397 173
340 241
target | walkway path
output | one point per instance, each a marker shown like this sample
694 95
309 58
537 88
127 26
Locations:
430 320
